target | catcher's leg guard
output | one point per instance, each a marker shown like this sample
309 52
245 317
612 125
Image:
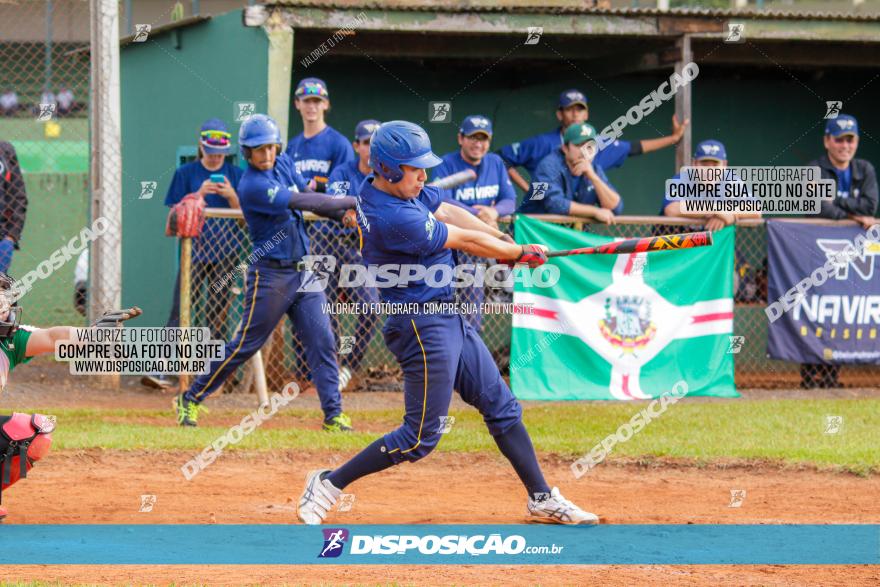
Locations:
24 440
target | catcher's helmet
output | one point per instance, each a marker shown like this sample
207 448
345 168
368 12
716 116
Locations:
399 143
10 312
258 130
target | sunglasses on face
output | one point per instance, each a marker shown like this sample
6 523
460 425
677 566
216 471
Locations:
844 139
217 138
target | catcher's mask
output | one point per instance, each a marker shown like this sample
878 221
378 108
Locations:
10 312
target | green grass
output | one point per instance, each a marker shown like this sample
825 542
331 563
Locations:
784 431
66 153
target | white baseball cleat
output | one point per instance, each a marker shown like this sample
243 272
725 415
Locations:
317 499
555 509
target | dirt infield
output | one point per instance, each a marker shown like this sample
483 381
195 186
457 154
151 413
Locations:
259 488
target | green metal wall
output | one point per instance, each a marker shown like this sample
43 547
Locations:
772 119
167 92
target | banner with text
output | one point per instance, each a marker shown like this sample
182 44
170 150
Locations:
829 302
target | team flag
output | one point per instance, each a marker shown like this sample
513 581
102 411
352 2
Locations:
624 327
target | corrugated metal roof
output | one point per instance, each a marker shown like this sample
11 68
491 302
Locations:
564 7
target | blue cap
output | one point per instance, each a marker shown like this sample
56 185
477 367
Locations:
215 138
844 124
365 128
311 87
474 124
569 97
710 150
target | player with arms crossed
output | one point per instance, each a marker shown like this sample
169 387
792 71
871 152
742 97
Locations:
403 221
25 438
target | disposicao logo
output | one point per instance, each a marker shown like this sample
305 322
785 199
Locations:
334 541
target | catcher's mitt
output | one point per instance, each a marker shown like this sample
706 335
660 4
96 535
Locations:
186 218
117 317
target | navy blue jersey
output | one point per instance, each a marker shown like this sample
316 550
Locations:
219 237
560 188
529 152
346 179
492 186
844 181
276 230
739 189
320 154
404 232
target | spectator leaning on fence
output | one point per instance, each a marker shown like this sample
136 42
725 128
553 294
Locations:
488 197
13 204
709 153
572 109
856 199
215 252
856 196
569 182
346 180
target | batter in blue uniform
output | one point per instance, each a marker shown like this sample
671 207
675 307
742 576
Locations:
346 180
488 197
568 182
572 109
405 222
271 201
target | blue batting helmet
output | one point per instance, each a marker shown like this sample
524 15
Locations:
257 130
399 143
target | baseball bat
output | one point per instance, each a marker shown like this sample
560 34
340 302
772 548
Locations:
456 179
649 244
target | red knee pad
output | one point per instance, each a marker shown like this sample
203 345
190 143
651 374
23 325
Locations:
24 440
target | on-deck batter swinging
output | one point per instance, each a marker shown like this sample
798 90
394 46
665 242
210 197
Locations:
404 222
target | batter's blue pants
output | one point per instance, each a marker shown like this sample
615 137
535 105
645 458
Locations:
438 353
272 293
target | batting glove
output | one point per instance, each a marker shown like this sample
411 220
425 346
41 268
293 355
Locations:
117 317
349 219
531 255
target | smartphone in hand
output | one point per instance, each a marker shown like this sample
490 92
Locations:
218 178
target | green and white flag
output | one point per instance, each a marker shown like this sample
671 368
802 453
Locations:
624 327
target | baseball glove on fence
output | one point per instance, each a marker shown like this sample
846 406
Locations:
186 218
117 317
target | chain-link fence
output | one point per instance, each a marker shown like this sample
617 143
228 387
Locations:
217 287
44 153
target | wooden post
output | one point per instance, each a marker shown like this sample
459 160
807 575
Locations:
683 150
185 295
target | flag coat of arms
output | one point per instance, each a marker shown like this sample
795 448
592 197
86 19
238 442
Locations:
623 327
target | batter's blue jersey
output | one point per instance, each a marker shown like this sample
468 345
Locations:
320 154
404 232
346 179
529 152
219 237
561 188
492 186
276 231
